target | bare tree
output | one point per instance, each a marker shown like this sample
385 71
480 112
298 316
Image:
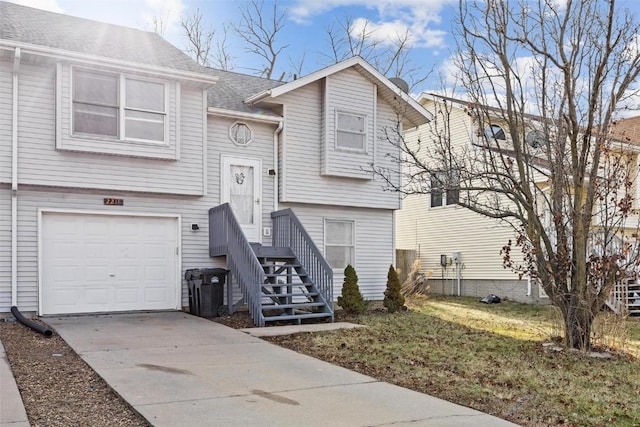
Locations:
204 45
157 25
347 37
222 57
199 37
551 76
260 29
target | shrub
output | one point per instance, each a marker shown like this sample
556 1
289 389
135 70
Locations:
416 282
393 299
351 299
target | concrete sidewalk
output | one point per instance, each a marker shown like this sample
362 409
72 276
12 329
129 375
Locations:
177 369
12 411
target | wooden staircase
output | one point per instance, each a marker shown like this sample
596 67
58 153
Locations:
288 294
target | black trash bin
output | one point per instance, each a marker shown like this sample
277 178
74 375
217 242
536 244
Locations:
206 290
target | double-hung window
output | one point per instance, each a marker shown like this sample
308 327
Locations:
351 133
339 243
118 106
444 188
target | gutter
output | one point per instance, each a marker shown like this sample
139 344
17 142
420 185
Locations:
258 97
89 59
244 115
14 177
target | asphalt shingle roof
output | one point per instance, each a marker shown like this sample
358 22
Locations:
232 89
38 27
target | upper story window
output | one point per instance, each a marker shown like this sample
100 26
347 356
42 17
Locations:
240 133
444 189
495 133
339 243
351 131
118 106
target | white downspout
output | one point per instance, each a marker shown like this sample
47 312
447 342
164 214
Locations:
14 179
276 134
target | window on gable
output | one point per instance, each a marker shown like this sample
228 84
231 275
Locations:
351 131
339 243
112 105
444 189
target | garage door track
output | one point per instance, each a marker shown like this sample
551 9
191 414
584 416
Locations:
177 369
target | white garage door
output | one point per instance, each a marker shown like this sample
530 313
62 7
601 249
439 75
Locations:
102 263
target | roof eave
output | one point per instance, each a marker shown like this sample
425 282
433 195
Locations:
55 53
244 115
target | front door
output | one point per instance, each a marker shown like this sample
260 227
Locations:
241 188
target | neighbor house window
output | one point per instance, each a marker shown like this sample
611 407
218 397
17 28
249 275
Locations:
495 133
445 188
240 133
351 131
339 243
117 106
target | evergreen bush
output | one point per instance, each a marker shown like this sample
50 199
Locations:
393 298
351 299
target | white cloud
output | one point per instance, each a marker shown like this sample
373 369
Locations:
302 10
168 11
394 17
387 33
50 5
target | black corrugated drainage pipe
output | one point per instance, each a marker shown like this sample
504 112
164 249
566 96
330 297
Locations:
30 323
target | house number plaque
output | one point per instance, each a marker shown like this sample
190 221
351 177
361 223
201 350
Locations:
113 202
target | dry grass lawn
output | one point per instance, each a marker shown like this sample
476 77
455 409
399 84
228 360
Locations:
500 359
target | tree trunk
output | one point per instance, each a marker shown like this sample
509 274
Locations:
578 318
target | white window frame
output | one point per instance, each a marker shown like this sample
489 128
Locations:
364 134
122 108
232 136
444 201
352 245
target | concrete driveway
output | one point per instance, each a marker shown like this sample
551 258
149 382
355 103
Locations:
176 369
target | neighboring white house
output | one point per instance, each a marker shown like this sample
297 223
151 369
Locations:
463 248
114 145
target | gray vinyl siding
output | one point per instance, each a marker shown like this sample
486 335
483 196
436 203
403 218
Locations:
348 92
261 147
374 242
5 249
6 88
42 164
192 209
303 181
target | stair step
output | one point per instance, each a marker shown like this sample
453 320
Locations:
293 305
283 285
287 265
290 294
285 275
296 317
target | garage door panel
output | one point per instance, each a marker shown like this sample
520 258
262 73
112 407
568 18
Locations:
95 263
155 294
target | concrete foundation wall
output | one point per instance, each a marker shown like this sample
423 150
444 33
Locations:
514 290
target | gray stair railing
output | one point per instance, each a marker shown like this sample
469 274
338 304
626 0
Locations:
227 238
289 232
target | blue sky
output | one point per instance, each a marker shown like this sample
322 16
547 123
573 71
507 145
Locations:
430 22
304 29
